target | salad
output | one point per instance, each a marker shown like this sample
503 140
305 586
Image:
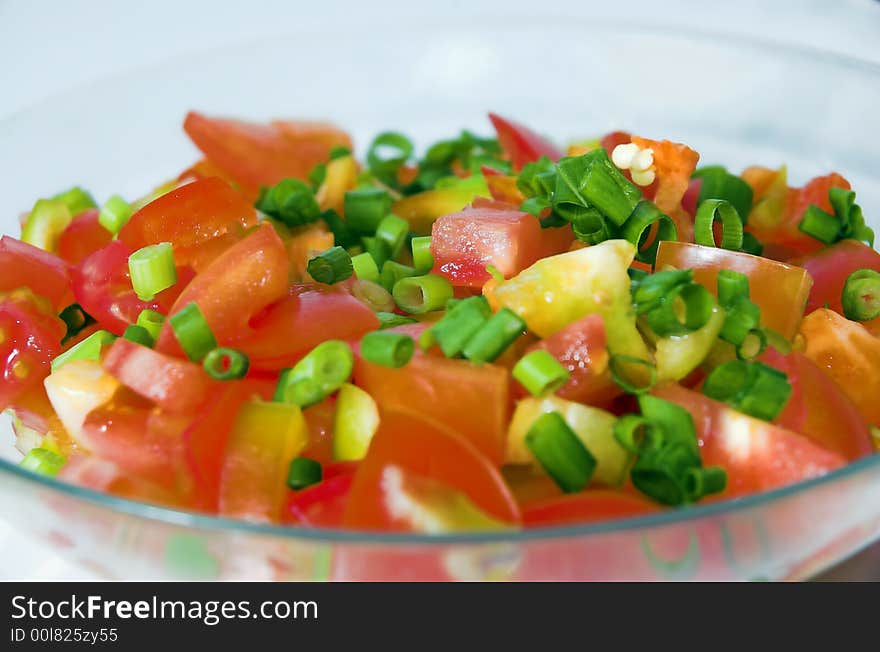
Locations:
493 333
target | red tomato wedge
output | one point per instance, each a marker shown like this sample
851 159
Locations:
30 337
102 286
83 237
240 283
818 408
426 450
581 348
585 507
464 243
189 216
471 400
323 504
23 265
310 314
848 353
780 290
256 155
172 384
756 455
522 144
830 268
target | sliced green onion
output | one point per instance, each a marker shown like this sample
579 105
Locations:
43 461
731 285
637 434
378 249
677 426
752 345
426 339
861 295
343 235
373 295
387 349
638 228
540 373
421 294
390 320
595 179
842 203
718 183
560 452
76 320
365 208
152 321
393 231
493 337
460 323
751 244
303 473
387 153
152 270
138 335
652 290
317 175
77 200
621 368
703 482
589 225
750 387
47 219
331 266
660 474
820 225
89 349
115 213
193 332
731 224
392 272
291 201
685 309
226 364
320 373
743 316
423 260
365 268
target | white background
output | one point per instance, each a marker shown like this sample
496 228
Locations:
50 46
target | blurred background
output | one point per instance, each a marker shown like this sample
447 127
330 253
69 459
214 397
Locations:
49 46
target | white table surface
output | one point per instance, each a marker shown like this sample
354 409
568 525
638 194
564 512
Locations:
50 46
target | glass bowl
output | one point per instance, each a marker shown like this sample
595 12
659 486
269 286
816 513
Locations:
736 101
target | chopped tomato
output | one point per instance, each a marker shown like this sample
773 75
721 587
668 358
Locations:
102 286
756 455
319 420
100 474
188 217
464 243
30 337
849 354
323 504
83 237
818 408
240 283
611 140
23 265
830 268
256 155
581 348
780 290
472 400
432 451
585 507
305 243
310 314
691 196
522 144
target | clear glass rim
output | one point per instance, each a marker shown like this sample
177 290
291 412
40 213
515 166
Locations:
219 524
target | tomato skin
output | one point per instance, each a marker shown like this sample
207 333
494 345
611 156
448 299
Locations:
319 420
585 507
691 196
31 338
23 265
102 286
818 408
427 450
103 475
83 237
522 144
241 282
830 268
257 155
174 385
189 216
310 314
323 504
471 400
581 348
848 353
756 455
780 290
